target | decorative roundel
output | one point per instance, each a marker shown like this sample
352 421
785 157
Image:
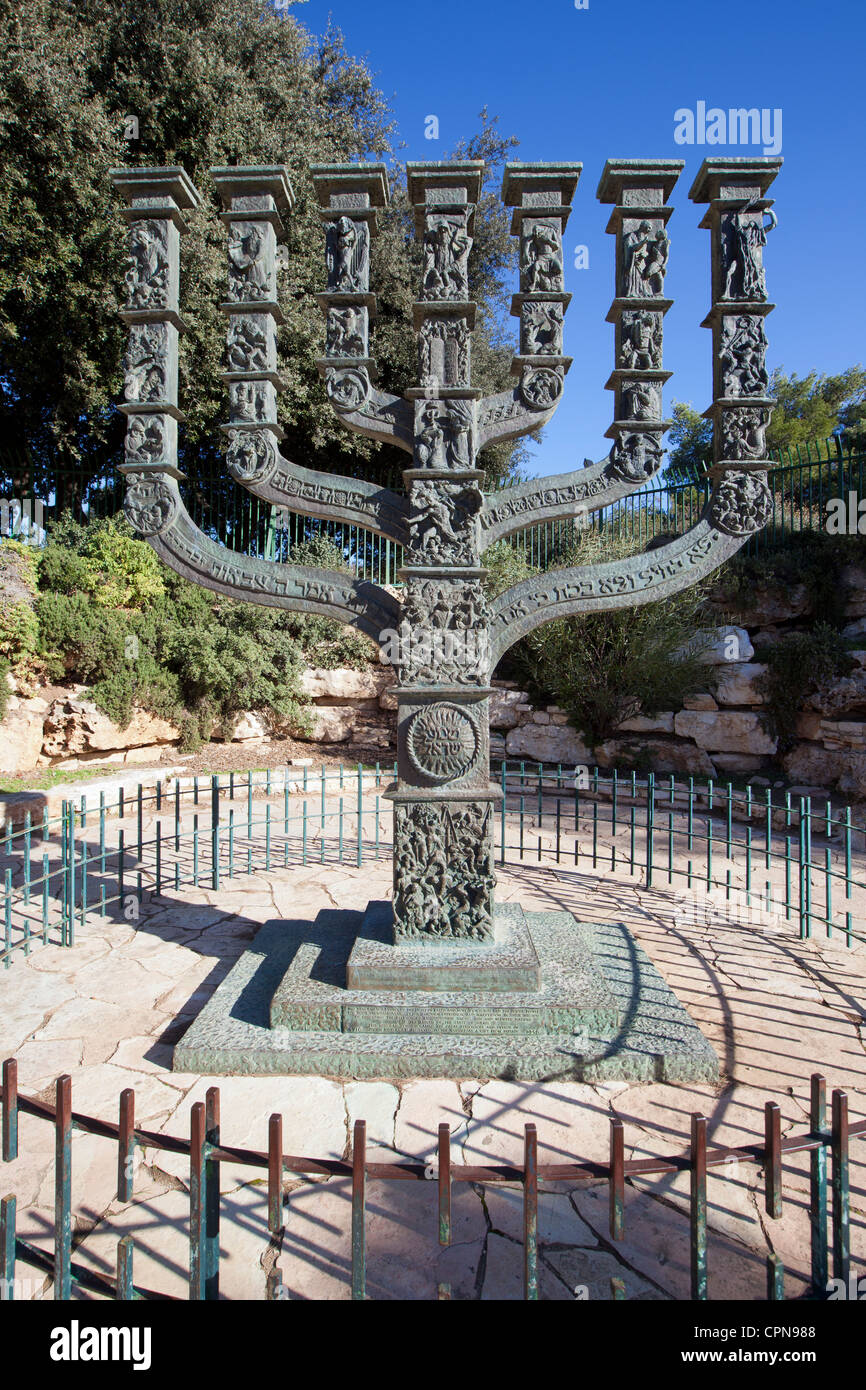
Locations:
347 389
541 387
252 455
742 503
442 741
150 505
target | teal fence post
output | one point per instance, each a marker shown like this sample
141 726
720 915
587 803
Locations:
212 1196
214 831
63 1189
818 1186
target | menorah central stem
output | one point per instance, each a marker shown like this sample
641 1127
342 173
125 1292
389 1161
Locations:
443 801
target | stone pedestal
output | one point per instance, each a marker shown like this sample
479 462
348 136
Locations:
547 997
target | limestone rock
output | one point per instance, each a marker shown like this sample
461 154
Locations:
248 727
847 733
857 628
331 724
548 743
740 684
74 726
844 696
736 763
21 734
808 725
814 764
701 700
507 708
344 683
718 645
498 750
726 731
665 755
648 724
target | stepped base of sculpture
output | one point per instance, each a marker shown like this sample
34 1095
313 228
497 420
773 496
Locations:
327 998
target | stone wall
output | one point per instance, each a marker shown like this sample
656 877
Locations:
63 729
720 735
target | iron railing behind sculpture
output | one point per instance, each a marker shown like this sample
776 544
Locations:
726 854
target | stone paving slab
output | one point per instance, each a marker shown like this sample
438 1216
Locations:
656 1039
775 1009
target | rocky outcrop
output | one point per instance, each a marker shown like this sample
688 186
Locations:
21 733
726 731
548 743
662 755
345 686
74 728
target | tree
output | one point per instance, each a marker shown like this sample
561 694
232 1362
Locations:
210 82
805 409
813 406
690 445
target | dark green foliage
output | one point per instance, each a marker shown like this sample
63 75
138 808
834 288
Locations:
18 625
796 666
811 558
176 649
805 409
211 82
811 407
690 445
607 667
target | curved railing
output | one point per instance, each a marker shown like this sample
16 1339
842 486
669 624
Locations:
729 852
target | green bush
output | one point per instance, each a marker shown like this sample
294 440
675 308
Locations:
606 667
19 628
110 616
796 666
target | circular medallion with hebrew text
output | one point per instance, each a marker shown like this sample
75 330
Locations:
442 741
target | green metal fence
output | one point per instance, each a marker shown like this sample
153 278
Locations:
779 862
803 481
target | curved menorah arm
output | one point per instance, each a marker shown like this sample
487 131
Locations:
330 496
740 505
155 509
560 497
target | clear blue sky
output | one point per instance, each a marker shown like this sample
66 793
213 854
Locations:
605 82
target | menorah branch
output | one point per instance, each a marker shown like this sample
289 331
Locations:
295 588
735 511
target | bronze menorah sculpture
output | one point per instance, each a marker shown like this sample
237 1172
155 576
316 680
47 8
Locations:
446 636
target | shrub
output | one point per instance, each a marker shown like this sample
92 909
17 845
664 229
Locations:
603 668
796 666
137 634
19 628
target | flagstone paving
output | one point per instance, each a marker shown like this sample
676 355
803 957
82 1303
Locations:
108 1012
